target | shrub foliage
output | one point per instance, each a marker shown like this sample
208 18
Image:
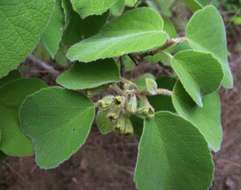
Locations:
176 116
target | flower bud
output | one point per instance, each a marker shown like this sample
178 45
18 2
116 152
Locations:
129 129
144 108
124 126
105 102
129 86
120 124
131 105
114 113
151 86
119 101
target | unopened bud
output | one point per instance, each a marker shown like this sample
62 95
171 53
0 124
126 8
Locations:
106 102
131 105
144 108
149 111
151 86
124 126
112 116
129 129
114 113
129 86
119 100
120 124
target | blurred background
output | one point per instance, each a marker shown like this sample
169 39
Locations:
107 162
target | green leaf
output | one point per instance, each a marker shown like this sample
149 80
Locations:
161 103
67 7
87 8
128 63
170 28
137 123
163 6
205 22
103 123
166 82
141 81
178 47
196 4
77 28
207 119
60 57
14 143
163 58
54 32
13 75
236 20
122 36
118 8
173 155
130 3
58 121
91 75
22 23
200 73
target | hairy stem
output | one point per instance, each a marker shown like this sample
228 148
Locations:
50 69
168 44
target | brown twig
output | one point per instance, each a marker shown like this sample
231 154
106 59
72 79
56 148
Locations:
168 44
50 69
132 57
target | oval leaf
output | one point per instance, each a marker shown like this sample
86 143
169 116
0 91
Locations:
122 36
173 155
130 3
58 122
206 32
13 75
118 8
196 4
91 75
199 72
77 28
14 143
54 32
92 7
169 27
22 24
207 119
